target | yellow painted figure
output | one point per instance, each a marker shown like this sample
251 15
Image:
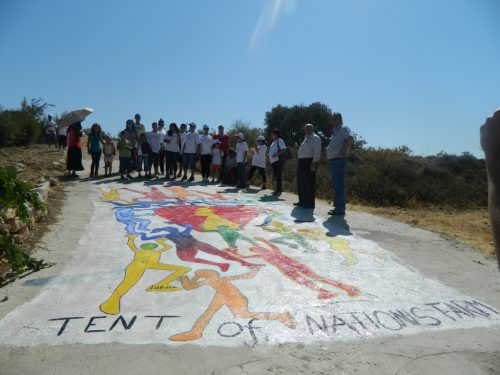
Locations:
226 294
145 258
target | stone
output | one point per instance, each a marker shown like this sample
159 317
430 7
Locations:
4 229
56 165
16 225
43 190
39 215
8 213
21 236
53 181
19 167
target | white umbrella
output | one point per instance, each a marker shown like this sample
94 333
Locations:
77 115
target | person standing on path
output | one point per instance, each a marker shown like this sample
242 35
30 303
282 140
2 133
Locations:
62 132
224 146
182 137
336 152
490 142
133 138
155 139
172 141
308 159
206 143
190 150
94 148
241 157
259 161
74 157
161 157
50 131
124 155
277 148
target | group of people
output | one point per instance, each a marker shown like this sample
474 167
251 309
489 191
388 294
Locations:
55 135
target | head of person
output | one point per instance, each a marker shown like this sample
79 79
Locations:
173 127
205 129
161 124
336 119
154 126
275 134
142 137
239 137
192 127
107 139
216 144
49 117
124 135
220 129
129 124
137 118
260 140
183 127
308 129
95 129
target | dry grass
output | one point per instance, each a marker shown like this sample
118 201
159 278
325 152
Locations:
471 227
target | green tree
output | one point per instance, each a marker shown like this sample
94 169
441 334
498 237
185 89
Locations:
242 126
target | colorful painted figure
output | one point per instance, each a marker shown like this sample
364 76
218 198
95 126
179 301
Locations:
226 294
187 247
154 194
145 258
288 237
298 272
338 245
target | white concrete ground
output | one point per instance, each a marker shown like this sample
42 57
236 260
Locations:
408 301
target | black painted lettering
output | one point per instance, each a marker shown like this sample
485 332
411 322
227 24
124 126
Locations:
124 323
457 310
435 321
337 322
66 321
376 315
371 320
471 311
91 324
251 329
444 312
404 317
160 318
323 327
477 305
239 329
357 320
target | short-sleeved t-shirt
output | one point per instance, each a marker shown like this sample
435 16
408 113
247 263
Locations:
259 157
191 141
206 144
273 149
241 147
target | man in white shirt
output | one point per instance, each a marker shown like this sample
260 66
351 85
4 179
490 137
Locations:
336 152
182 136
190 150
308 159
241 157
206 143
138 127
154 139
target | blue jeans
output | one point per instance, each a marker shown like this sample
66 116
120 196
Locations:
143 161
338 168
241 175
96 158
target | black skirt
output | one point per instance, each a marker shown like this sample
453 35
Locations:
74 162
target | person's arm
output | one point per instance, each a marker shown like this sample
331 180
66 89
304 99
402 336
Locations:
490 142
249 275
316 153
190 284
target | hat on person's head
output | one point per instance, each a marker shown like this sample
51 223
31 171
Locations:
240 135
192 125
260 138
206 126
217 142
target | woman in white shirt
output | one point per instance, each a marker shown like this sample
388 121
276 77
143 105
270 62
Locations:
259 160
172 144
277 148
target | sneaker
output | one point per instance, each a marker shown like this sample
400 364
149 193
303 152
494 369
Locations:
298 204
263 187
184 177
336 213
191 179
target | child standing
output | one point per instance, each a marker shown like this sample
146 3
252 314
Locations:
259 160
241 157
217 155
143 151
125 155
109 153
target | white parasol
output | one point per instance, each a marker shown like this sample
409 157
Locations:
77 115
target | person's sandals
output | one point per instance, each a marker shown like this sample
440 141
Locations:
335 213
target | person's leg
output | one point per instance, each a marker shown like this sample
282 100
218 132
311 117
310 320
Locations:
278 171
301 180
161 161
122 167
250 174
263 176
180 160
338 169
222 169
192 165
309 184
98 161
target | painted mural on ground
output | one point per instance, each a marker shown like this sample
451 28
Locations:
200 264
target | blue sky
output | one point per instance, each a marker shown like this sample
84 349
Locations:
423 73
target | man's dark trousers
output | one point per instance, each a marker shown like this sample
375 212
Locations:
306 182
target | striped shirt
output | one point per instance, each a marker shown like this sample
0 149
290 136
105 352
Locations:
339 136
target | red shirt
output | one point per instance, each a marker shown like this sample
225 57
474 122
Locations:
73 140
224 142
